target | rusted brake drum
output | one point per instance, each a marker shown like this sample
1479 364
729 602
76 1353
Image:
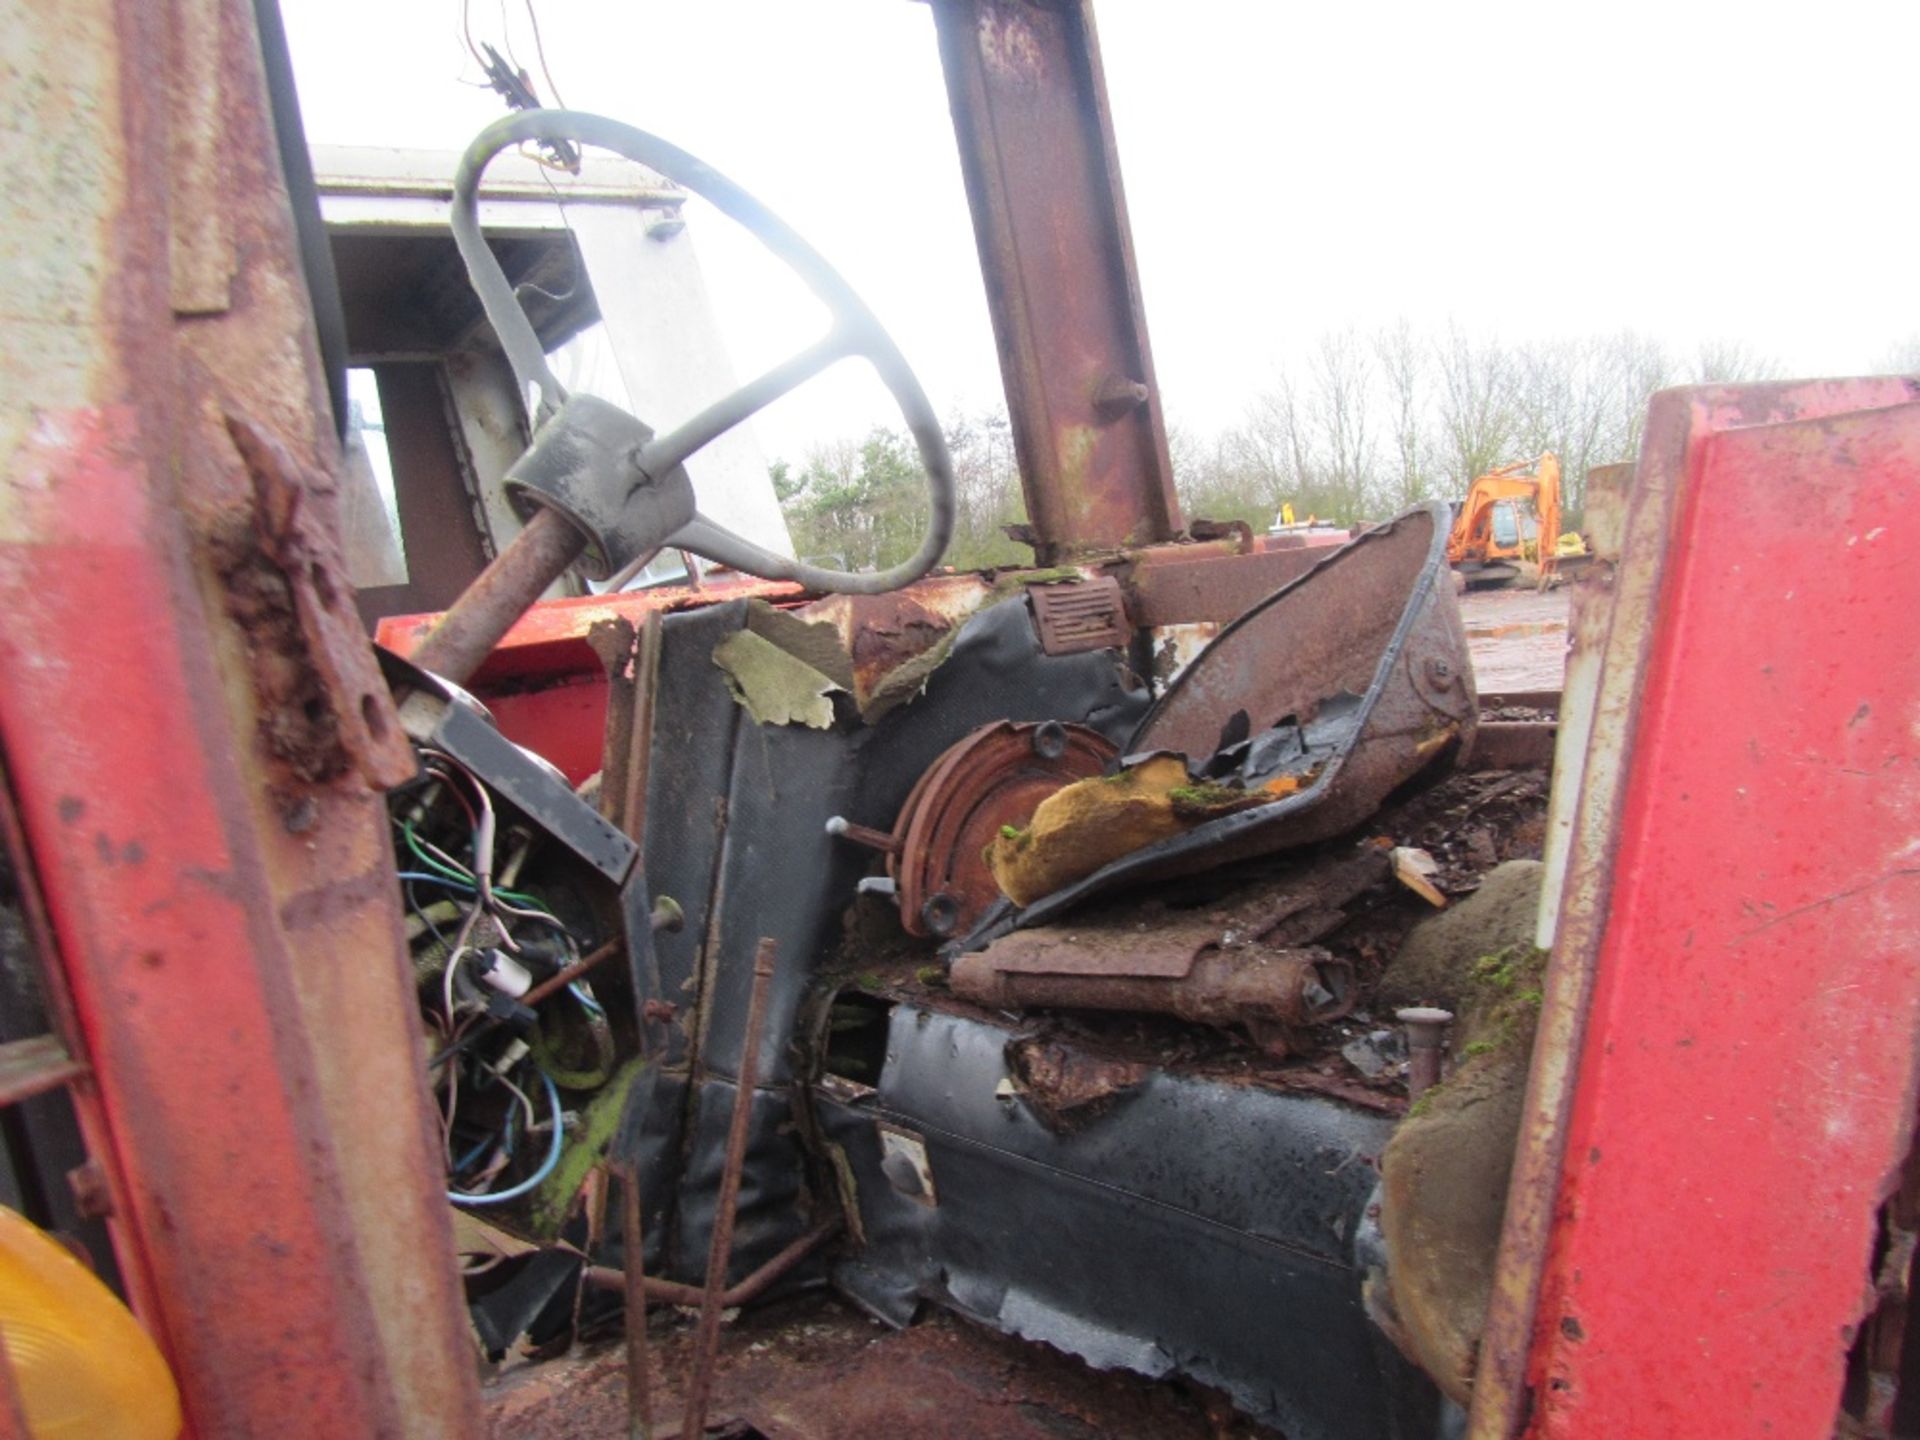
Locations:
995 776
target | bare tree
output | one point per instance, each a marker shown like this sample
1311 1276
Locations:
987 486
1404 371
1355 428
1475 405
1720 361
1272 447
1636 366
1341 375
1568 401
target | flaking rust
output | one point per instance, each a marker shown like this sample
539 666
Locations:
324 708
1068 1086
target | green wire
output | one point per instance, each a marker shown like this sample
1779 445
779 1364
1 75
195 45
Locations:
465 877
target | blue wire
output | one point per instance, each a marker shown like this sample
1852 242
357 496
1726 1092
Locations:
472 1155
547 1166
505 1140
437 880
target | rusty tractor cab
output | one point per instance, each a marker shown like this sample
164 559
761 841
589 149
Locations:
1163 958
852 928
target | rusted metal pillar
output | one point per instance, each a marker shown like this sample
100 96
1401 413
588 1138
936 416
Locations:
1036 146
196 737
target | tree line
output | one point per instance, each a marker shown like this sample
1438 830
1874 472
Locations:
1357 428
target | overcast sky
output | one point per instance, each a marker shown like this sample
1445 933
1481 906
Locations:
1698 172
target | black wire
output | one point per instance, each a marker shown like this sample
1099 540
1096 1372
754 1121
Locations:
413 904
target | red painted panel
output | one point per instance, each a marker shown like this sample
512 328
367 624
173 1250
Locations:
565 722
551 638
117 744
545 686
1747 1083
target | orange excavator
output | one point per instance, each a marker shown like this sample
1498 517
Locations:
1499 528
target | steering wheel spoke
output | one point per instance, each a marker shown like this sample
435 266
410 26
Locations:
675 447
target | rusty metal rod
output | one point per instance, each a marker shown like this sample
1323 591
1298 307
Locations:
864 835
667 915
33 1066
559 981
672 1292
500 595
634 1284
720 1252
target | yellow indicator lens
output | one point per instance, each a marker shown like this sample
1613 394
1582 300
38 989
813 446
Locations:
82 1366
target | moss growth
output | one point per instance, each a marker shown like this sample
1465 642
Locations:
552 1203
869 982
1506 1000
1058 575
1503 967
931 974
1205 794
1206 800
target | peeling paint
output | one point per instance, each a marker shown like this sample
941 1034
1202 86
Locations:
775 687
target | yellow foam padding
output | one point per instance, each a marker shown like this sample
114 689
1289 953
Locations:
1087 824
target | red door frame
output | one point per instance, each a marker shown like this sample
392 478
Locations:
1723 1086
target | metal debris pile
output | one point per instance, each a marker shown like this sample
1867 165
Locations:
1152 981
1246 861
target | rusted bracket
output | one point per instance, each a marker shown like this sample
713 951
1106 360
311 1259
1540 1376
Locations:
357 708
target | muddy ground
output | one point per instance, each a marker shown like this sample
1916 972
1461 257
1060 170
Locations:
814 1368
1518 638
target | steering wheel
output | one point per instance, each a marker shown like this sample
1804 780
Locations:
622 486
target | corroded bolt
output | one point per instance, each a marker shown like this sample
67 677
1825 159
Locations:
1117 394
1426 1039
1050 740
92 1195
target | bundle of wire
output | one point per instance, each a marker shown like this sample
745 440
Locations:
484 918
